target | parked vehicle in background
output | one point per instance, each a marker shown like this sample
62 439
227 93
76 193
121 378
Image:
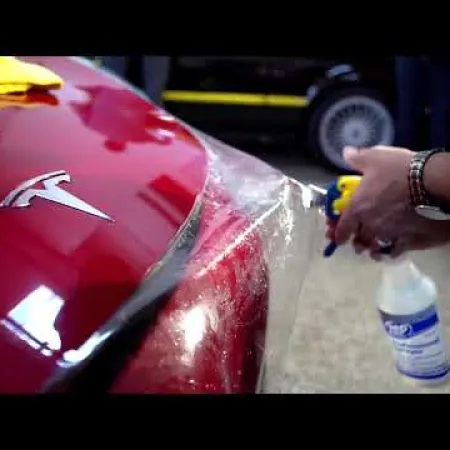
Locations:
324 105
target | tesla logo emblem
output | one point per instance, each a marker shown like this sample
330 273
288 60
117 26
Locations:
22 196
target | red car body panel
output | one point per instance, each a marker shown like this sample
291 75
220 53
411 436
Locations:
210 337
65 272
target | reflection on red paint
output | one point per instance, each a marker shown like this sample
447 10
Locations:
128 119
33 320
173 190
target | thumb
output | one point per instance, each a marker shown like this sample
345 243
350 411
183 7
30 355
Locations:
355 158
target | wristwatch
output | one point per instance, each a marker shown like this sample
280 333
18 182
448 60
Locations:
422 202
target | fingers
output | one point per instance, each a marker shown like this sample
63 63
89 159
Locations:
359 246
362 209
363 240
347 226
371 244
354 158
349 220
376 255
398 250
387 148
330 232
411 243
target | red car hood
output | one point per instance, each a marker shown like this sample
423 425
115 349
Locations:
65 270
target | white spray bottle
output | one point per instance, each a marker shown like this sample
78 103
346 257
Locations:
406 300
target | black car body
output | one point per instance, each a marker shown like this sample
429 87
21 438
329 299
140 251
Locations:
323 104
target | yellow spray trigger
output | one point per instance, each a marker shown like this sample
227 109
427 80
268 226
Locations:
338 195
18 77
346 185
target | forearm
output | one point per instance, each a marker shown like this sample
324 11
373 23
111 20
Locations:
436 176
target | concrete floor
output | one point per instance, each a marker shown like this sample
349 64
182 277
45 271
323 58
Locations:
335 343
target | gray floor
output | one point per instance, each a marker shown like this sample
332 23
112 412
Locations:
335 343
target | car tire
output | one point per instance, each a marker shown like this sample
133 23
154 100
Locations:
355 116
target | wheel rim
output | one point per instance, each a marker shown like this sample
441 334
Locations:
358 121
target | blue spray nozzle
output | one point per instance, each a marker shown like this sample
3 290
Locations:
330 249
337 196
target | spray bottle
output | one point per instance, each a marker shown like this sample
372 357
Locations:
406 300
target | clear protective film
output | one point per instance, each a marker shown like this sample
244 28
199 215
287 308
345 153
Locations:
217 312
324 332
279 210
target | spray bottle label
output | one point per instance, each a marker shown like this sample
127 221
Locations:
418 343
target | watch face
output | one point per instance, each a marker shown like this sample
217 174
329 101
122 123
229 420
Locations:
431 212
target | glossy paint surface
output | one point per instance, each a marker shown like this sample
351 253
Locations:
64 272
210 336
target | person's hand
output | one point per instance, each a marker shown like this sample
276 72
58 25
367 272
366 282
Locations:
380 209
